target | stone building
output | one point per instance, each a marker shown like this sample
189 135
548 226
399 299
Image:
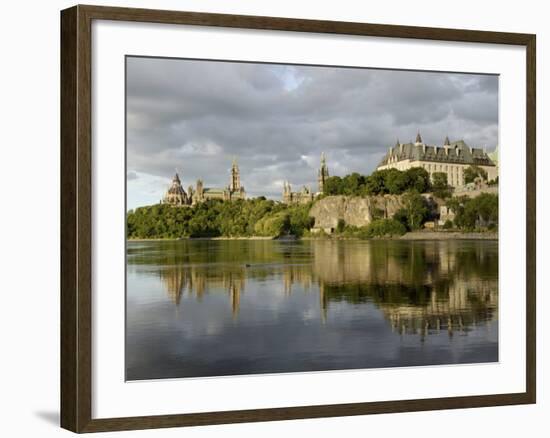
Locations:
306 195
233 191
177 196
445 214
451 158
302 197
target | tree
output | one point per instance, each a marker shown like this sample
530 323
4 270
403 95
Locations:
375 183
439 181
300 220
273 225
333 186
473 212
419 179
353 184
396 181
414 211
486 207
383 227
440 185
380 182
472 172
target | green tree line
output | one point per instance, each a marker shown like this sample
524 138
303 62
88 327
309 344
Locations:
478 212
251 217
264 217
380 182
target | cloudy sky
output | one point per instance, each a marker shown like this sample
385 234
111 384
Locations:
195 116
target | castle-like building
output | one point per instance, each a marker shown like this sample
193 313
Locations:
306 195
178 197
451 158
302 197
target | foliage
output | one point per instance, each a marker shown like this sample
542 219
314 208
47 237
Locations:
472 172
352 184
448 224
439 180
385 227
250 217
300 220
414 212
440 185
387 181
419 179
273 225
377 228
478 212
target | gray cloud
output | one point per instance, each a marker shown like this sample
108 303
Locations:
130 176
277 119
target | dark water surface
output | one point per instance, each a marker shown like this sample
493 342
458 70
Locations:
212 308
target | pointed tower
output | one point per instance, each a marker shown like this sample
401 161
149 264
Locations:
287 193
447 141
322 174
235 182
199 192
418 138
175 194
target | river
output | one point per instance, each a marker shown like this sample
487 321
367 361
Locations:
199 308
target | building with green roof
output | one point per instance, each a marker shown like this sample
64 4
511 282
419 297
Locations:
451 158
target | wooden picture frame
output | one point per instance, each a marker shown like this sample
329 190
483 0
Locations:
76 217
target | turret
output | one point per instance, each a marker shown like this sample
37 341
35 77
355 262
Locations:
323 174
200 190
175 195
235 181
287 192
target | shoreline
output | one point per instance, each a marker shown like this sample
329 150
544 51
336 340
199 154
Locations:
448 235
412 235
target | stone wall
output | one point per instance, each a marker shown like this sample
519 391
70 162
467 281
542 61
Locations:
476 192
355 211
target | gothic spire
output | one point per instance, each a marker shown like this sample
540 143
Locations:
418 138
447 141
322 174
235 181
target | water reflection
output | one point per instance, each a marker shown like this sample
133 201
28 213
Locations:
421 288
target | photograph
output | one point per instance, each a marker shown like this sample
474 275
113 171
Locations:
285 218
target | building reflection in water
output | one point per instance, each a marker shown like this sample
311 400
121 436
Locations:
192 280
420 287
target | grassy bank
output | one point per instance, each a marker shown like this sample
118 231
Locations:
412 235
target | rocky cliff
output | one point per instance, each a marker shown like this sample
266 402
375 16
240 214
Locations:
354 210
